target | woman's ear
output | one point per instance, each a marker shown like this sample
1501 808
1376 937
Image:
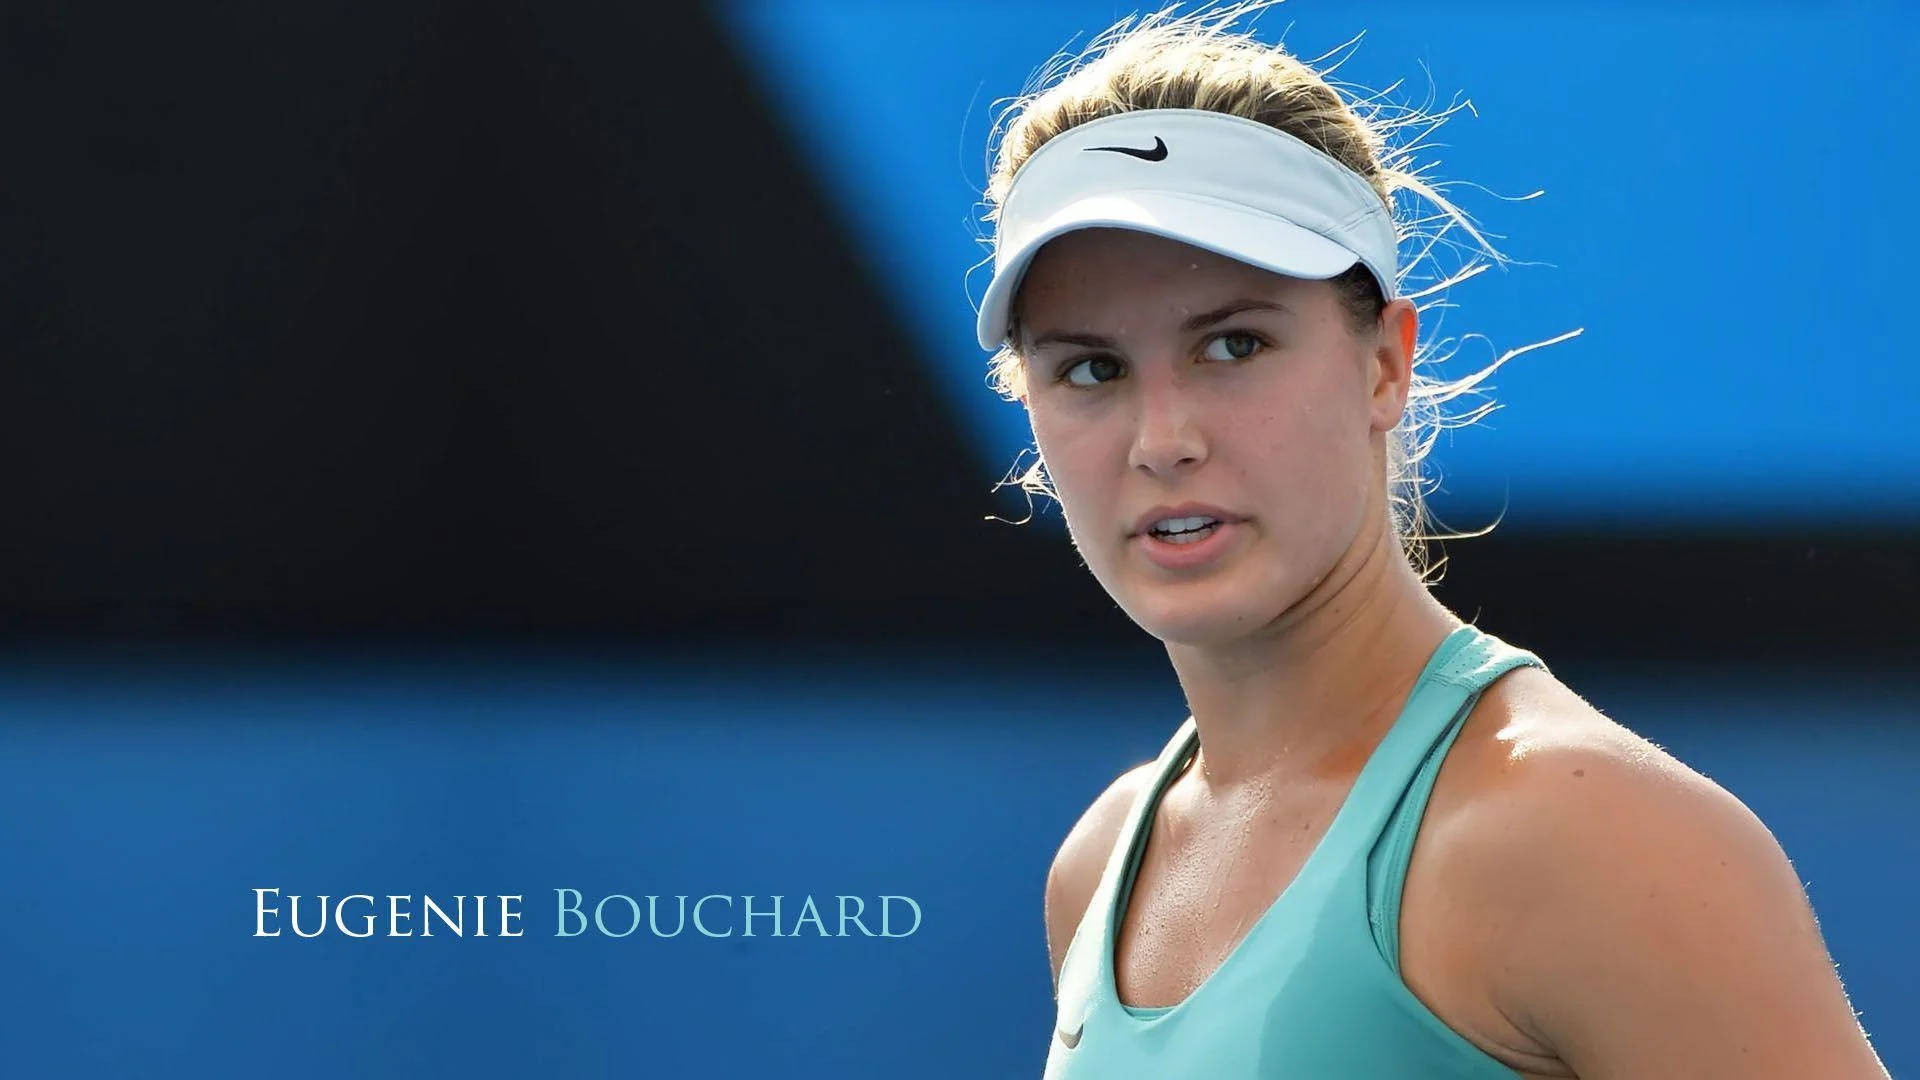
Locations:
1391 367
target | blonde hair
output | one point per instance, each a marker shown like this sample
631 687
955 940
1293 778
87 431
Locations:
1199 61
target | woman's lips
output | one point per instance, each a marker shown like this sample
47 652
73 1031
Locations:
1172 556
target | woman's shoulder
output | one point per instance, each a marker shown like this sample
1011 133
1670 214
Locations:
1082 857
1537 771
1615 892
1529 731
1533 745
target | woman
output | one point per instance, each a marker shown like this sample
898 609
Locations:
1385 843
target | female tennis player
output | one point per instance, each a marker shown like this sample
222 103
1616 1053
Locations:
1385 843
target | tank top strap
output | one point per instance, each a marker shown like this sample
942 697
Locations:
1082 969
1173 758
1466 660
1466 673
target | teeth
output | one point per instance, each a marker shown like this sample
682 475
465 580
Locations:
1183 524
1186 537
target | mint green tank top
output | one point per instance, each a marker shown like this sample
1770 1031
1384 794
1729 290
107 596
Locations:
1314 988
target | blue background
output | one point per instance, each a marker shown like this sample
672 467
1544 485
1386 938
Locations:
149 794
1721 215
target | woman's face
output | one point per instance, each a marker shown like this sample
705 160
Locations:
1160 374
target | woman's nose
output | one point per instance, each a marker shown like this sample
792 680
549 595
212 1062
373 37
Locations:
1168 437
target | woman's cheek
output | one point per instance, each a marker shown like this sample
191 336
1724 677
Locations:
1076 455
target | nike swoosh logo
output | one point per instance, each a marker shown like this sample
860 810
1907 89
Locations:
1158 153
1073 1040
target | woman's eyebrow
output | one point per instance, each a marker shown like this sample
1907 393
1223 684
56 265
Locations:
1061 337
1197 322
1228 310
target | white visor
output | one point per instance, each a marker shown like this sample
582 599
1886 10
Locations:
1230 185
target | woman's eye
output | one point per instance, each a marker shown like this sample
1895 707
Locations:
1091 363
1236 345
1226 348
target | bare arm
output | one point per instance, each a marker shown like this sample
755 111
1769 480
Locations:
1654 928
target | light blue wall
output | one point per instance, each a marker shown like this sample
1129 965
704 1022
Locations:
1723 215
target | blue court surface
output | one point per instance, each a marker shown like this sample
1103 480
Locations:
146 797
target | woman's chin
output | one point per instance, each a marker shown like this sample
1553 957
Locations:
1198 621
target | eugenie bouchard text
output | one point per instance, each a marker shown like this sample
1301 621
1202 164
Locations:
616 915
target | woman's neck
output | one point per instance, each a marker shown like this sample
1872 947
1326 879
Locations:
1315 690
